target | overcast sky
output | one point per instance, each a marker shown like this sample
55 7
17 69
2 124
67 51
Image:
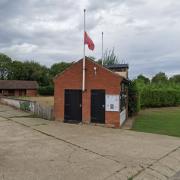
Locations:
144 33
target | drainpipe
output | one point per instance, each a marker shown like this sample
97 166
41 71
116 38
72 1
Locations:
84 60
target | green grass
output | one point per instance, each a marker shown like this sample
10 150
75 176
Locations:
159 120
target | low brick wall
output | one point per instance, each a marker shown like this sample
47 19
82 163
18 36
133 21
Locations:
31 106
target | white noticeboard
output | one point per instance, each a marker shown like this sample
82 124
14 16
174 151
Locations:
122 116
112 102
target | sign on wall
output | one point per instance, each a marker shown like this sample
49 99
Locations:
112 102
122 116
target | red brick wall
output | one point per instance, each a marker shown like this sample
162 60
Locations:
72 79
16 92
31 92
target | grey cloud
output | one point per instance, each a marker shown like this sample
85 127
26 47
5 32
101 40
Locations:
172 9
95 5
144 33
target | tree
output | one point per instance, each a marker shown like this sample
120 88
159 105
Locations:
16 71
160 78
58 68
110 58
143 79
175 79
29 70
142 82
5 64
36 72
133 98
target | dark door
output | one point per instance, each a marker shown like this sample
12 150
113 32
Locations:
73 106
98 106
22 92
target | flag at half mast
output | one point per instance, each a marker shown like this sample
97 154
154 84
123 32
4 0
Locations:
88 41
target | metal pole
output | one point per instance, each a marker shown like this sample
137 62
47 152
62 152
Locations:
84 65
102 50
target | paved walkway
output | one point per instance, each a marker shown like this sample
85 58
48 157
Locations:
37 149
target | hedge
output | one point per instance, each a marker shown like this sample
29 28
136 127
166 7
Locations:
46 90
159 97
133 99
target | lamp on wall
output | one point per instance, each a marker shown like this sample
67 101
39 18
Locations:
95 69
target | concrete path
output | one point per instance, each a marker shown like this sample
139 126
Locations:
176 176
37 149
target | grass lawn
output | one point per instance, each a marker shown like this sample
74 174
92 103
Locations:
159 120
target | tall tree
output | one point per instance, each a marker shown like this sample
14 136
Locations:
175 79
110 58
5 64
16 71
37 72
160 78
29 70
143 79
58 68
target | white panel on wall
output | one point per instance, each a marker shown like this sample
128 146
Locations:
112 102
122 116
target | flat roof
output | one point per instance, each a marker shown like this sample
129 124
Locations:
117 66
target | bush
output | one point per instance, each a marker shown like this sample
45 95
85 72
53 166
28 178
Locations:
46 90
133 99
159 97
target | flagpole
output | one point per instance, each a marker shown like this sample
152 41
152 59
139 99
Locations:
84 65
102 50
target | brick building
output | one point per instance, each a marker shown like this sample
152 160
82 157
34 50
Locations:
18 88
103 101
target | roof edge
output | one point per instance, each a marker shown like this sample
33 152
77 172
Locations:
87 58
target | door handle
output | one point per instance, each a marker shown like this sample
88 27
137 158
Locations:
80 105
103 105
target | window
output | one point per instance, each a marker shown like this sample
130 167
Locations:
11 92
22 92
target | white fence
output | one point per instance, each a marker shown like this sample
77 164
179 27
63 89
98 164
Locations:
32 106
122 117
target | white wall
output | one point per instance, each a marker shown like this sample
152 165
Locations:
32 106
122 117
17 103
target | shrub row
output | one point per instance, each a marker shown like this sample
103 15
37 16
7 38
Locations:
159 97
133 99
46 90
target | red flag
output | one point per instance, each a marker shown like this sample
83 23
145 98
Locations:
88 41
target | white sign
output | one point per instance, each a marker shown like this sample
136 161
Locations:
112 102
122 116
